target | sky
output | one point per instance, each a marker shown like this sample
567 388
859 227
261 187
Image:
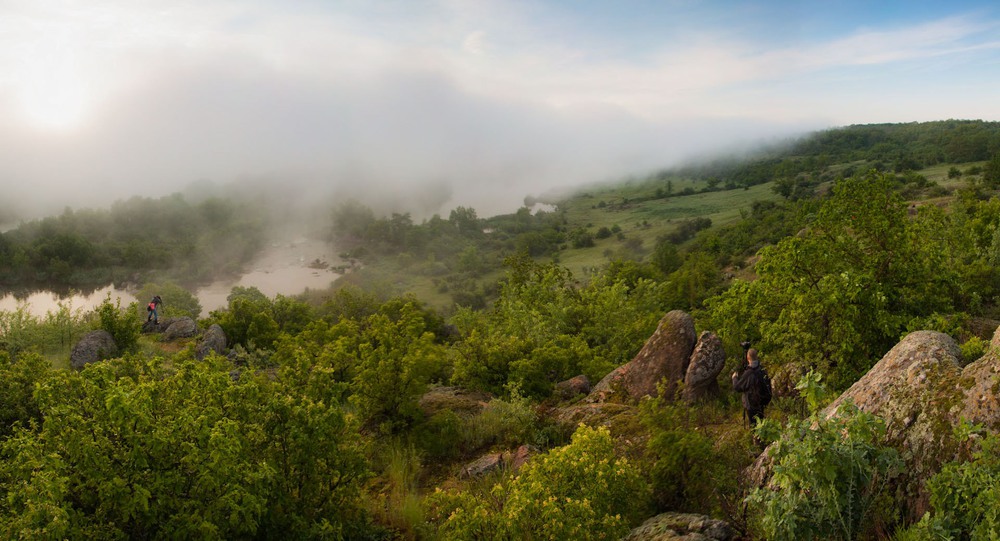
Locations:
431 104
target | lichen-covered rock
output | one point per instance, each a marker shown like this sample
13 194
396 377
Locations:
483 465
592 414
573 387
917 389
92 347
214 340
452 398
664 357
706 362
682 526
181 327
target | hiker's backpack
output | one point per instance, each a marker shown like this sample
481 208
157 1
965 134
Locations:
759 395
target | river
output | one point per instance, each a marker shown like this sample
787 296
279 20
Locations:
283 268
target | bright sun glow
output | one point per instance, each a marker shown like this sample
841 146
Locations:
54 106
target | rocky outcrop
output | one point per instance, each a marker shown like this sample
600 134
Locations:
181 327
92 347
682 527
213 341
664 358
452 398
982 376
511 460
706 362
921 393
607 414
573 387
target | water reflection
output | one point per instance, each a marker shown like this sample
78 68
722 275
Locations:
285 269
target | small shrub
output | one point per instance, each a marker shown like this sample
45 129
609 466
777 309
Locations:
122 325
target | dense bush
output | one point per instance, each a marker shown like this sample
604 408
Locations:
579 491
135 449
831 478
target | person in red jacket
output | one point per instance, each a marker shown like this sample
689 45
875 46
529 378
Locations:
151 309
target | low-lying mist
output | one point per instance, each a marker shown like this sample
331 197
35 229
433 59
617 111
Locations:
399 142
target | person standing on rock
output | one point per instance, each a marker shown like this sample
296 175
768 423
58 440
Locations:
152 308
755 385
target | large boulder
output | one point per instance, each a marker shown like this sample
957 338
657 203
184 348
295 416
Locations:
92 347
664 358
572 387
707 360
920 392
682 527
181 327
213 341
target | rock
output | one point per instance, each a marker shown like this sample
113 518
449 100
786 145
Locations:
606 414
681 526
92 347
182 327
519 457
573 387
483 465
160 326
917 389
452 398
511 460
664 357
706 362
214 340
981 404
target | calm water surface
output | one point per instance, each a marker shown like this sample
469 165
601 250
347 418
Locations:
282 269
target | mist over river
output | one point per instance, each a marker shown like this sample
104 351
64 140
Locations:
283 268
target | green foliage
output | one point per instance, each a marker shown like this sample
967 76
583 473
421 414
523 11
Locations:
18 378
545 328
395 360
579 491
84 247
830 479
121 324
973 349
965 498
177 301
254 321
839 295
133 449
686 471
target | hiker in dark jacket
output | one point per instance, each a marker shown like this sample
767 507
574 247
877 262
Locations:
755 385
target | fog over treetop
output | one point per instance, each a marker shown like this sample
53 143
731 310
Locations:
430 105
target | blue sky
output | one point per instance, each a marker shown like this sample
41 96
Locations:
436 103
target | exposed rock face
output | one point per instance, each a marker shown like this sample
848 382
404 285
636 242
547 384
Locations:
452 398
214 340
573 387
706 362
182 327
483 465
92 347
665 356
161 325
920 392
981 404
681 526
512 460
